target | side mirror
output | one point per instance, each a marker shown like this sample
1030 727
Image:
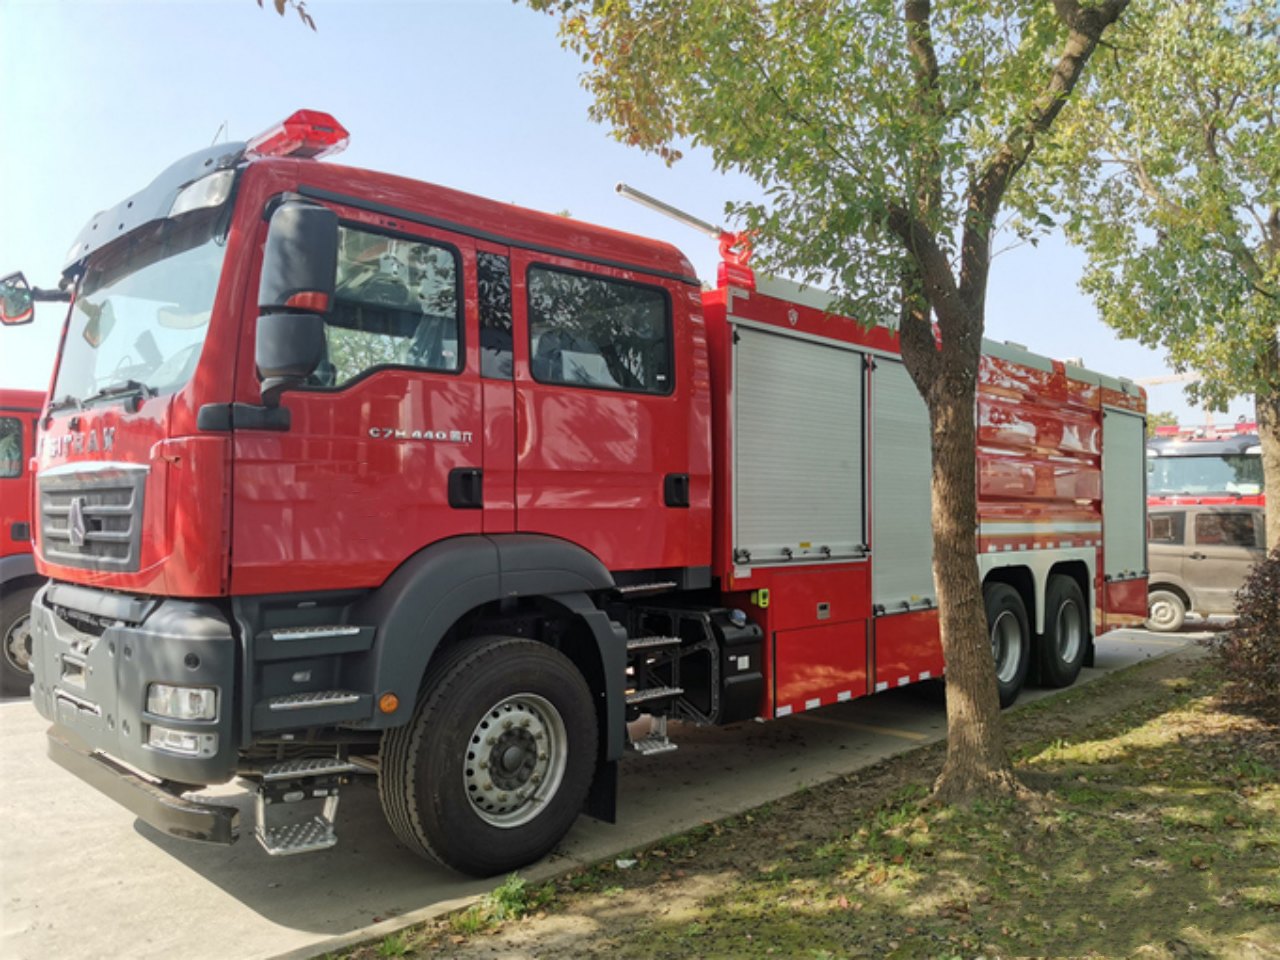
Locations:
17 301
300 262
288 349
299 265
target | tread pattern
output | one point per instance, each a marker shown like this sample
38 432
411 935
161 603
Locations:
402 746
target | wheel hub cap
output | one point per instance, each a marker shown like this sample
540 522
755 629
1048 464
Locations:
17 644
1006 645
515 760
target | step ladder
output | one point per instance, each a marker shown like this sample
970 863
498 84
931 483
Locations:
653 681
286 785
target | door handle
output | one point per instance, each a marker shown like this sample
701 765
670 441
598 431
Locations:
1199 556
466 488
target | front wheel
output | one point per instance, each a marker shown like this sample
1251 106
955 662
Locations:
495 764
1010 639
15 630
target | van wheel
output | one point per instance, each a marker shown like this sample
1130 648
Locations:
495 764
1166 611
15 633
1010 639
1066 635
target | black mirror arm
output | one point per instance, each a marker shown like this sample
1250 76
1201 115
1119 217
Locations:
41 295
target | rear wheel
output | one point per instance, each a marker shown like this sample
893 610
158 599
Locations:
495 764
1010 639
1066 636
1166 611
15 632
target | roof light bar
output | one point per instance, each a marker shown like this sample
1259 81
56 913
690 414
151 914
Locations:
308 134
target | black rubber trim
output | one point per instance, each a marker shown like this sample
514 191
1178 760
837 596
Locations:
316 193
99 603
221 417
164 809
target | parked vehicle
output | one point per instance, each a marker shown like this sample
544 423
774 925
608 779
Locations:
19 413
1205 466
365 476
1200 556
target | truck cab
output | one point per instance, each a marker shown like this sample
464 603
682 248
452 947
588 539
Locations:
19 424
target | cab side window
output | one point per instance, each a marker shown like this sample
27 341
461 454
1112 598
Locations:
493 280
396 304
10 448
590 331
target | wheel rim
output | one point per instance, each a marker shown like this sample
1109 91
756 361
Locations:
515 760
1070 631
1162 613
1006 645
17 644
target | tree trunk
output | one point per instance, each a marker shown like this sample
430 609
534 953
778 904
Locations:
977 764
1267 409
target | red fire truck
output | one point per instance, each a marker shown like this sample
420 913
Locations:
19 410
345 474
1205 465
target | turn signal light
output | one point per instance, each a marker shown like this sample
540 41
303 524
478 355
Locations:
388 703
308 134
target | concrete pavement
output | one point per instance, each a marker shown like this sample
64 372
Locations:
82 879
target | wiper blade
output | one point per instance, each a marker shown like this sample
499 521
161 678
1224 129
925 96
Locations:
122 389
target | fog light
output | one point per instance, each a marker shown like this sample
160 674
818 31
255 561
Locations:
184 742
182 703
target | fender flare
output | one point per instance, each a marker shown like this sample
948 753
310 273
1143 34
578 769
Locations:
440 584
16 567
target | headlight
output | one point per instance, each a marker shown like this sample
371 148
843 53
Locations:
210 191
183 742
182 703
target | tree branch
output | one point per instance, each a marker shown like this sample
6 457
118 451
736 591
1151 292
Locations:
1086 25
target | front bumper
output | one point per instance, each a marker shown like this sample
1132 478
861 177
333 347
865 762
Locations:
158 804
94 655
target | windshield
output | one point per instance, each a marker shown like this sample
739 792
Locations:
1238 473
143 309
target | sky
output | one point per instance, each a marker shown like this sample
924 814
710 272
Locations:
98 97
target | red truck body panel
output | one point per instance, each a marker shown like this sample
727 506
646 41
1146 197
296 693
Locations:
22 406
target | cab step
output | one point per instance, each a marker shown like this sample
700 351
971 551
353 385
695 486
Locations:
655 741
287 784
313 700
649 694
651 643
312 708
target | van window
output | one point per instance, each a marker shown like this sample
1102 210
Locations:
10 448
1227 529
588 331
1166 527
396 303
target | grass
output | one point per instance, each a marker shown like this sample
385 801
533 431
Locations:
1152 830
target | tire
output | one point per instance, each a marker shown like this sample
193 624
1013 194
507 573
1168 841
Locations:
461 784
1065 642
1166 611
15 635
1010 633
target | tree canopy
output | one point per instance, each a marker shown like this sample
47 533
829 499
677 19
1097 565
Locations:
886 135
1171 185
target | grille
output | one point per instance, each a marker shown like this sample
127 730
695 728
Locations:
108 498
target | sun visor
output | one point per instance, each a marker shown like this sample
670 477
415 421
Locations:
150 204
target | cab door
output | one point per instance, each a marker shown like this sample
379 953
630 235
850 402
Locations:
602 412
385 447
1225 544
